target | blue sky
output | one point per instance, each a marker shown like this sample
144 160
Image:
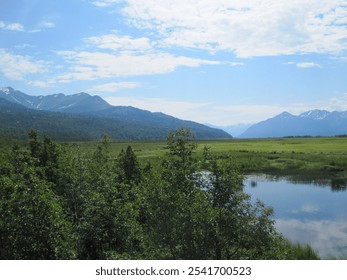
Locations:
213 61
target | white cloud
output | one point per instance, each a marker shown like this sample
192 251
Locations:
15 27
95 65
204 112
40 84
304 64
105 3
18 67
337 104
252 113
248 28
42 26
12 26
235 63
113 87
328 237
24 46
308 65
20 27
46 25
123 43
306 208
309 208
180 109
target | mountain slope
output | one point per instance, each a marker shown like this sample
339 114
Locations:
85 117
76 103
310 123
16 121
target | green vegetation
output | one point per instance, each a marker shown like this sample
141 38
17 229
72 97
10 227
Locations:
154 200
303 159
85 124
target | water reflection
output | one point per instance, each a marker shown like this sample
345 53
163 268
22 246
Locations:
306 212
326 237
335 184
338 185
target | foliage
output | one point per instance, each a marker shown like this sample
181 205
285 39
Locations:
61 202
120 122
33 222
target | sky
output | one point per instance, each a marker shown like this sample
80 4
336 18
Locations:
222 62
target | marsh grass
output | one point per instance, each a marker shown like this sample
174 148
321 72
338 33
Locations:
301 252
301 157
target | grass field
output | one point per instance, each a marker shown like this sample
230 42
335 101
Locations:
148 149
312 157
297 145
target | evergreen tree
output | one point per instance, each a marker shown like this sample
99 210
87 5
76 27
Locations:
129 170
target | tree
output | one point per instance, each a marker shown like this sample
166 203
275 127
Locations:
109 226
173 199
33 221
203 213
129 170
241 229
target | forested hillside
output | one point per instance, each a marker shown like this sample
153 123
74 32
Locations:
82 117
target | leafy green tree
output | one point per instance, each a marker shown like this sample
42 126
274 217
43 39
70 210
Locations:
35 144
128 167
49 158
241 229
180 165
109 226
33 221
203 213
173 198
57 203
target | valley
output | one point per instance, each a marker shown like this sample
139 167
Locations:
120 146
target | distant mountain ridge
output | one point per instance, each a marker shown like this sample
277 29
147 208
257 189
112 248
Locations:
85 117
76 103
310 123
235 130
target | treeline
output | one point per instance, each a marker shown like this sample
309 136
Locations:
60 204
15 123
121 123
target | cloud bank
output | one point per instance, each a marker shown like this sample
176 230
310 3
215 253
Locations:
247 28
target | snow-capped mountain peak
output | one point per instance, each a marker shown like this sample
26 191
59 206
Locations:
6 90
76 103
310 123
315 114
284 115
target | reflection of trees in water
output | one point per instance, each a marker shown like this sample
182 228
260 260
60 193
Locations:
254 184
335 184
338 185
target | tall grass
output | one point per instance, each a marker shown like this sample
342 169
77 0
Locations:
301 252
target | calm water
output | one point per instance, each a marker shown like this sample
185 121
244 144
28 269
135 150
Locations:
305 212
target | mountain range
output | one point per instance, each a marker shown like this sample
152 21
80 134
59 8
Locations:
85 117
310 123
82 116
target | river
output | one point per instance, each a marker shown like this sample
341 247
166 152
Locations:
308 213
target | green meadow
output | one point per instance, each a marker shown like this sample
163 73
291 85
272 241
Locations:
144 199
147 149
311 158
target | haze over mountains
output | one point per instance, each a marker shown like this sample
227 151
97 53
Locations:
235 130
85 117
310 123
